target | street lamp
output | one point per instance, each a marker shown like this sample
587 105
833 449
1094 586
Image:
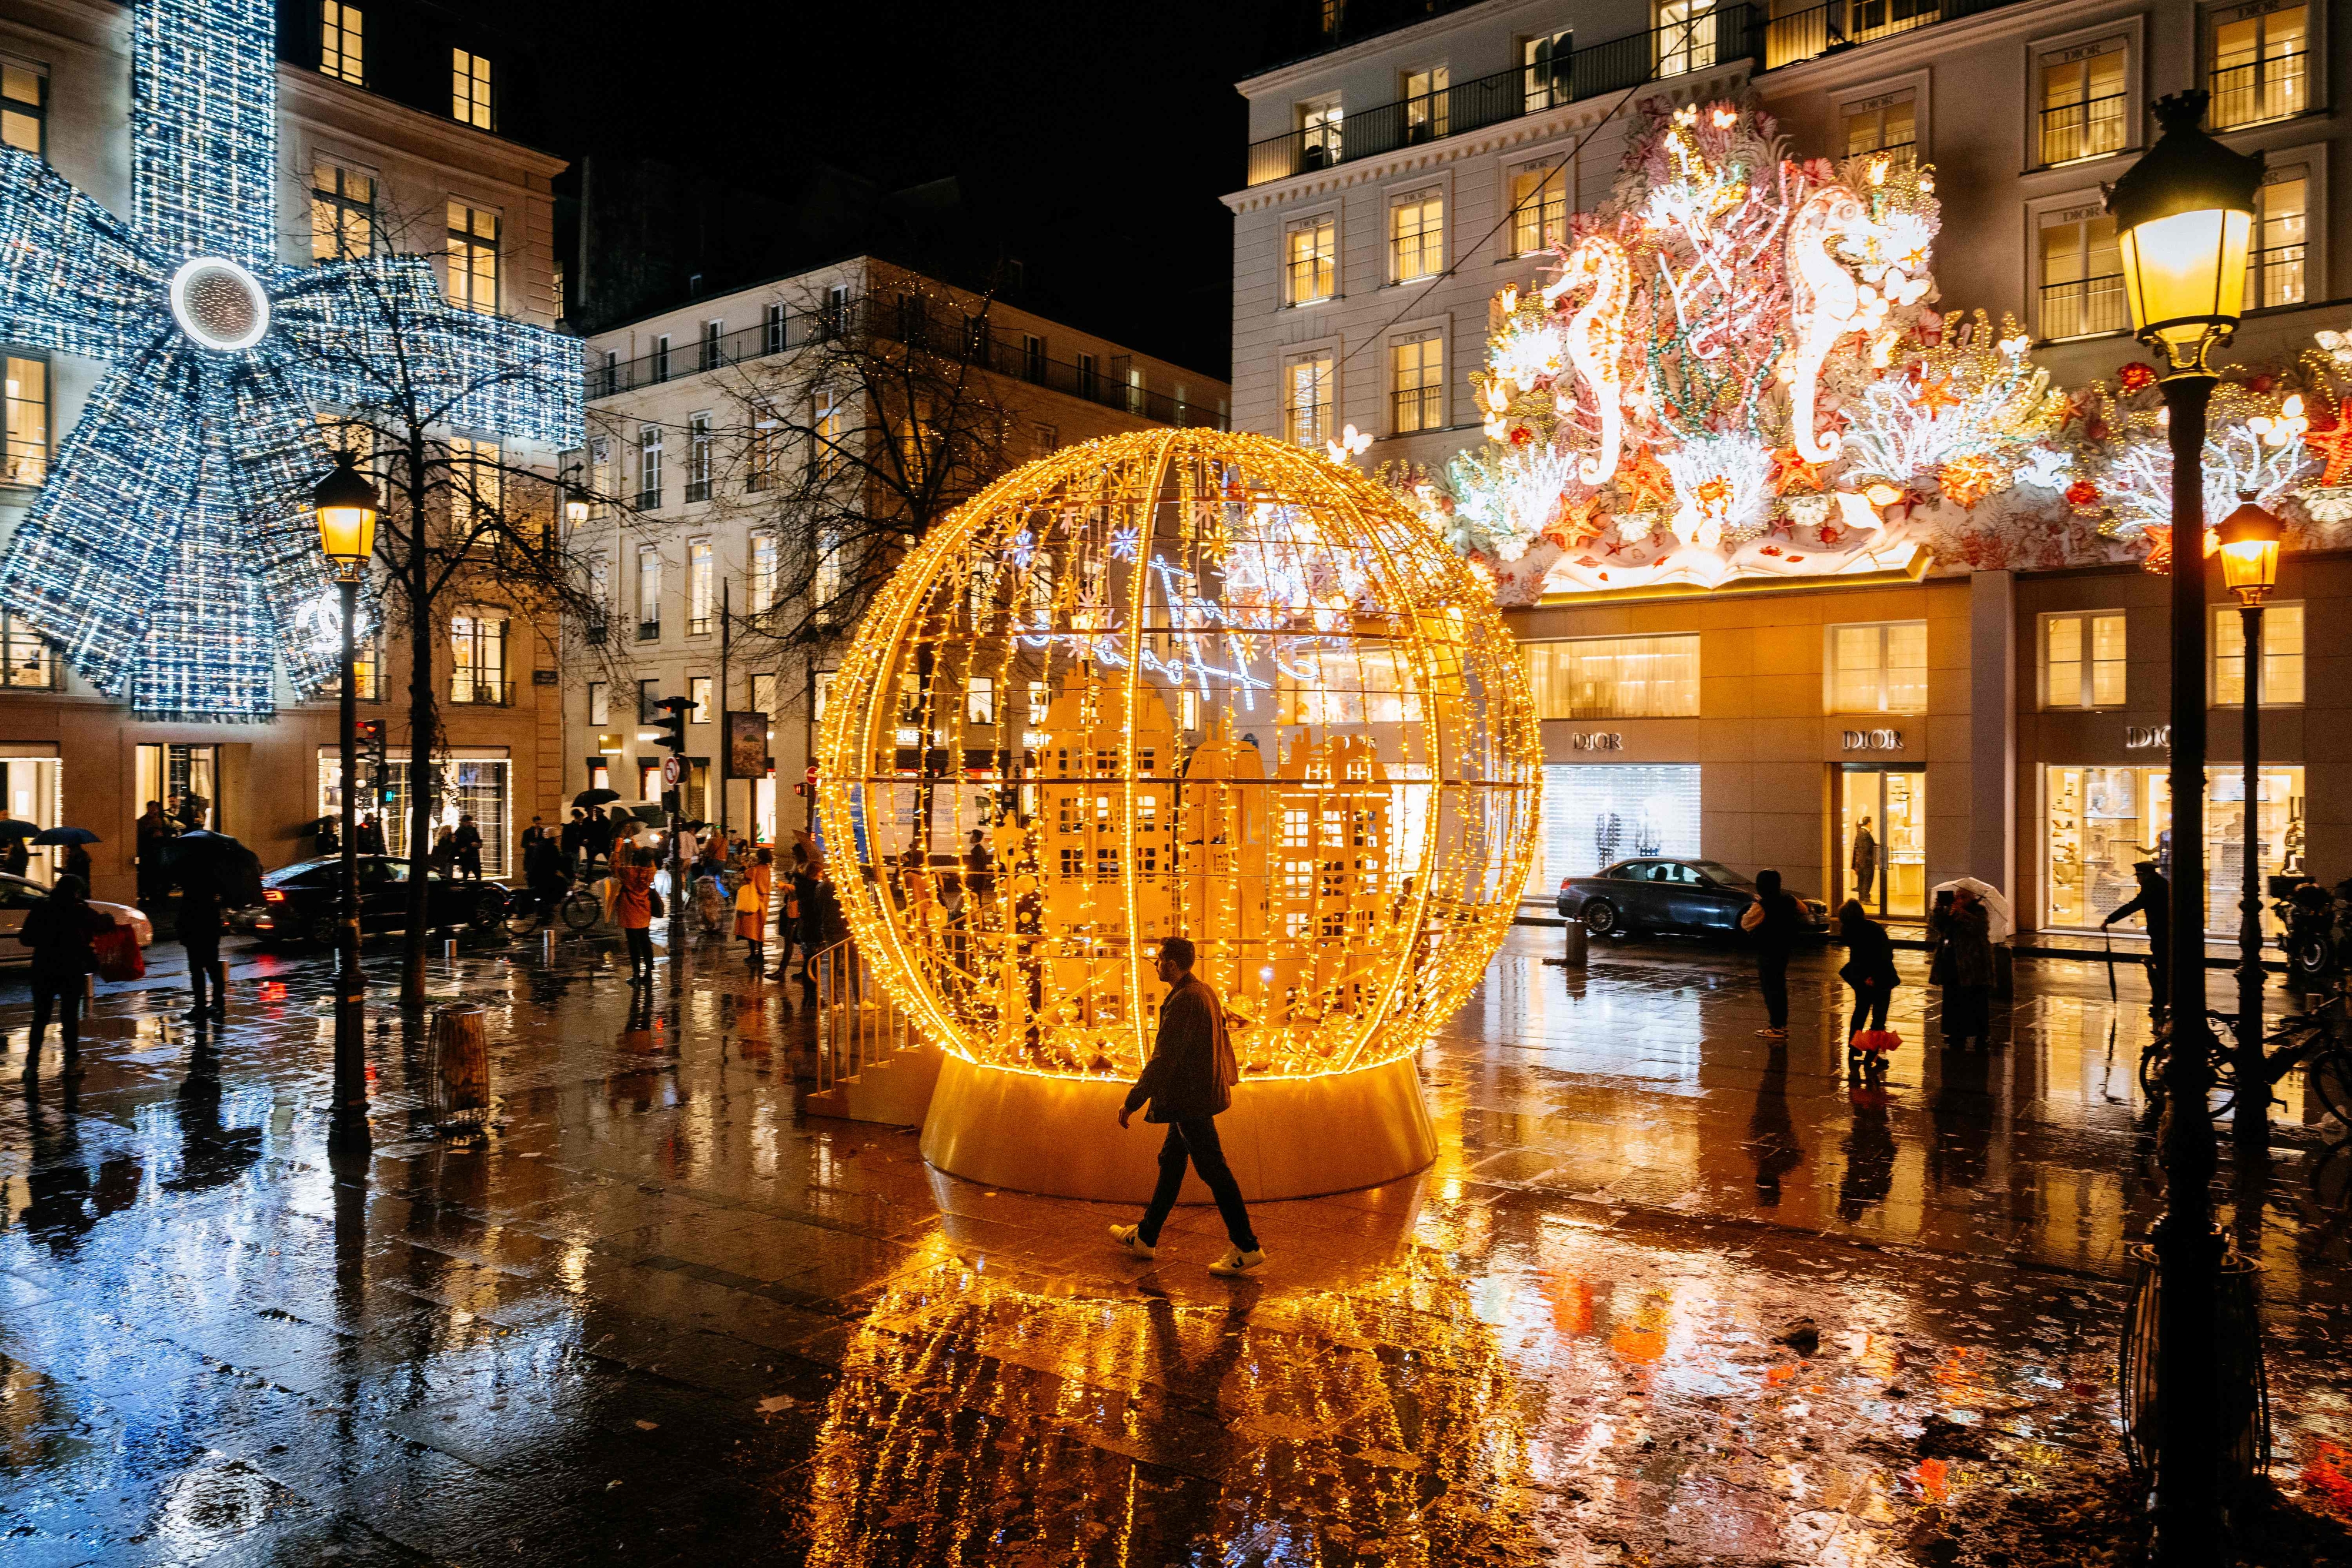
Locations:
2250 550
347 506
2183 216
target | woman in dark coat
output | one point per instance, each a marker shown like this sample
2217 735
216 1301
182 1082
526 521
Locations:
1869 967
58 930
1963 965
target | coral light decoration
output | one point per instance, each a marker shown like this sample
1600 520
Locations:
1179 683
170 555
1736 371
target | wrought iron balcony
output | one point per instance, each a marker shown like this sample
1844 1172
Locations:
466 691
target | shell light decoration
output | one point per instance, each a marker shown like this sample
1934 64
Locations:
1179 683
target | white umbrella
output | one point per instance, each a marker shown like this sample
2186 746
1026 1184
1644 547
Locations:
1999 922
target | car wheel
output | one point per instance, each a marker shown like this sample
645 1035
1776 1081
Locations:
324 929
1600 917
490 911
2312 957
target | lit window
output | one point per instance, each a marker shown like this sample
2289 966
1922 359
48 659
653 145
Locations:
24 459
649 588
1310 264
24 656
1548 62
649 467
699 588
1539 209
342 212
1188 710
1889 124
600 703
1615 677
1039 697
697 457
1425 97
2082 289
2083 660
342 54
1686 34
767 586
2281 656
1880 668
1417 384
367 667
473 258
2083 98
1306 399
1319 132
697 692
821 688
23 108
478 641
470 96
477 485
1872 19
1417 237
980 700
2262 67
2274 269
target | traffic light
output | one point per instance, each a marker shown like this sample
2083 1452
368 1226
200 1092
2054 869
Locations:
670 727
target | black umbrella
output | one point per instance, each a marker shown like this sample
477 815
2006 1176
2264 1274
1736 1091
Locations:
13 828
595 797
65 836
201 847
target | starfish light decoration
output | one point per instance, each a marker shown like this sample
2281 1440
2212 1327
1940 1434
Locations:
170 556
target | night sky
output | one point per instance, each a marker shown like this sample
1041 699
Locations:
1096 137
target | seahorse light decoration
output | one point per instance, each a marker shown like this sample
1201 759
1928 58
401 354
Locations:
1826 301
1596 341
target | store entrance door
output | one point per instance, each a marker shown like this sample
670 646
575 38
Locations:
1894 802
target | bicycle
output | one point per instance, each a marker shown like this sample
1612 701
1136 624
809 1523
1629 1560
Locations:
529 911
2308 1040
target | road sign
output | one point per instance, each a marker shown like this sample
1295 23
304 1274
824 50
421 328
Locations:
673 770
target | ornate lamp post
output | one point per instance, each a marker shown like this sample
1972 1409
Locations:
346 505
2250 551
2184 215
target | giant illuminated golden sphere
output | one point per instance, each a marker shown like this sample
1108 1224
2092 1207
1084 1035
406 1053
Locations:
1179 683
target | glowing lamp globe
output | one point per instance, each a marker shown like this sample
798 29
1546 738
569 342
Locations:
1179 683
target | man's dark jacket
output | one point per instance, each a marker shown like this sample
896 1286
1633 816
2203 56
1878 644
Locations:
1181 1079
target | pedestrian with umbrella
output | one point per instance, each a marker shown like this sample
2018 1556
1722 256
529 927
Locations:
205 865
77 842
58 930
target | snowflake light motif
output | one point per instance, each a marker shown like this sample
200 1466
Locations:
170 555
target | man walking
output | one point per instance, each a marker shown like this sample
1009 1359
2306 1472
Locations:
466 845
1865 861
1188 1083
1775 923
2153 903
202 899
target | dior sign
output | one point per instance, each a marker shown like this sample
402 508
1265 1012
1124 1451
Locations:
1596 740
2155 738
1874 740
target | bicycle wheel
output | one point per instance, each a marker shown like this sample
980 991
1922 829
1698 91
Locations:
2328 1075
583 910
525 915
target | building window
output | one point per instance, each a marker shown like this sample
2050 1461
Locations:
473 258
478 641
2082 289
650 780
772 339
766 584
2083 660
699 591
1880 668
829 578
477 486
649 467
600 474
826 430
765 453
697 457
714 345
657 358
1089 381
1686 34
2260 64
649 576
2274 269
1306 399
1417 237
25 458
766 694
1417 383
649 697
1888 123
600 703
599 595
1311 261
367 667
342 212
1033 357
2281 656
342 43
24 656
1615 677
1319 132
980 700
1874 18
1539 209
1425 96
23 108
1045 440
697 692
832 321
2083 93
1547 62
469 90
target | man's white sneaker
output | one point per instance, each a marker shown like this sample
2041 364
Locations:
1127 1236
1237 1261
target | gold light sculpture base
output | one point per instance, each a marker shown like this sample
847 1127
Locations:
1179 683
1284 1137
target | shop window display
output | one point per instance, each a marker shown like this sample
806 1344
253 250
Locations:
1596 815
2103 820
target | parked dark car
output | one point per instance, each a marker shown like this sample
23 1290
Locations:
1699 897
297 902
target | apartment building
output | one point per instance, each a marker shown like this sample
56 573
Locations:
390 137
690 525
1413 160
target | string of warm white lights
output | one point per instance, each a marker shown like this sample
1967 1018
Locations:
170 555
1179 683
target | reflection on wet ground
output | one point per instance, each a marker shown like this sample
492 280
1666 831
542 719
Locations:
1668 1296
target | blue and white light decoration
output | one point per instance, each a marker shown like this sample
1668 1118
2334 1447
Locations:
171 557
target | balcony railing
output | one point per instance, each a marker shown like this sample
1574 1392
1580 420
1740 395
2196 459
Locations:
595 632
1844 23
1307 424
468 691
2089 130
649 500
2083 308
649 631
1713 37
2275 277
2272 89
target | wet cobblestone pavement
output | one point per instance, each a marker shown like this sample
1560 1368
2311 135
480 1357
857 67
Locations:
1666 1297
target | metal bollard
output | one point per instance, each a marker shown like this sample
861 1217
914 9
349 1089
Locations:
547 945
449 949
90 987
1573 945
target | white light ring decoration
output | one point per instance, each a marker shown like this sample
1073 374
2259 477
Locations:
194 269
